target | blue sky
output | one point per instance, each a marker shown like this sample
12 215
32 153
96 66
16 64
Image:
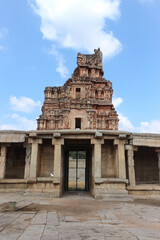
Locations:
39 41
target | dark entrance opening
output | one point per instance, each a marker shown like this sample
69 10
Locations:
15 161
78 123
146 166
78 91
77 175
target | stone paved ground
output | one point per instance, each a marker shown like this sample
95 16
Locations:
77 218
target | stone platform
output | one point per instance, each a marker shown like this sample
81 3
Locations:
77 217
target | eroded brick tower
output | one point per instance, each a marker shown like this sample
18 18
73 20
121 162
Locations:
84 102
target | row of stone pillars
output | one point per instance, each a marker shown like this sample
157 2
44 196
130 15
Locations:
31 173
31 160
121 147
120 157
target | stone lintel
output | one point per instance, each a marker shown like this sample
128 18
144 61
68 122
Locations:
131 147
107 137
146 142
33 134
97 141
36 141
56 135
120 141
57 141
98 134
7 137
122 136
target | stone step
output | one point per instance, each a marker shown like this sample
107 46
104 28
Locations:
114 196
12 190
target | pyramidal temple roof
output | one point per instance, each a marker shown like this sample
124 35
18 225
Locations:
85 100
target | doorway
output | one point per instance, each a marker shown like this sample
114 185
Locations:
77 171
77 176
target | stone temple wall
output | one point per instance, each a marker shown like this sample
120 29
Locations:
84 102
117 163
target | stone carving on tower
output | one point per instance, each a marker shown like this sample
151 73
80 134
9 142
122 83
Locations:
84 102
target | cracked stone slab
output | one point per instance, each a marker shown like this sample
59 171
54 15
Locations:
16 228
39 218
32 232
52 219
6 219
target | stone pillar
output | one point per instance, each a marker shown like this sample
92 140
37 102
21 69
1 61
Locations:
3 161
121 157
57 158
34 157
158 154
97 156
27 160
131 170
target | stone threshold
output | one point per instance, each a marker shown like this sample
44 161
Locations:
45 179
13 181
110 180
144 187
39 179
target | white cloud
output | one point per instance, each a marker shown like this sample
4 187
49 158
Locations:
145 127
24 123
21 123
125 124
62 69
146 1
117 101
153 126
1 47
24 104
9 127
79 24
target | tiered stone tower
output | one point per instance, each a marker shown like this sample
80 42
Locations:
84 102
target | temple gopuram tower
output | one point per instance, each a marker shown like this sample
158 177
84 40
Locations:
84 102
